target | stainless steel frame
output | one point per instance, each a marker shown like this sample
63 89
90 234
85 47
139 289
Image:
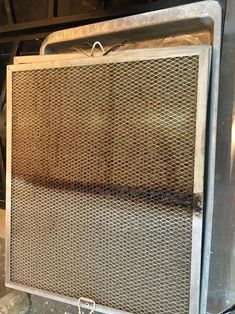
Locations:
148 30
129 55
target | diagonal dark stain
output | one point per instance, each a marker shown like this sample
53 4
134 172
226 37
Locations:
191 201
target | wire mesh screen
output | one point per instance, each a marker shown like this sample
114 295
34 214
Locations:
102 182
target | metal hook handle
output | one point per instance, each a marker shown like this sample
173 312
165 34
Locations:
88 302
97 43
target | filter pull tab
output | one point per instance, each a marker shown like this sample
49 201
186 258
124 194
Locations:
97 43
88 304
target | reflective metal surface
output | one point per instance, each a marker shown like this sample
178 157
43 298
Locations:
201 19
149 30
221 293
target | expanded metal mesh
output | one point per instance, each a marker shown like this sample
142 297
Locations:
102 182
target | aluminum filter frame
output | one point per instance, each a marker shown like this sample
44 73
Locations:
203 52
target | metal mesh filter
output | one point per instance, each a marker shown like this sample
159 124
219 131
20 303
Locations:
102 182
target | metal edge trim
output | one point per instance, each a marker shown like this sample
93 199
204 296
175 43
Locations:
74 56
125 56
44 58
210 179
8 172
199 168
61 298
